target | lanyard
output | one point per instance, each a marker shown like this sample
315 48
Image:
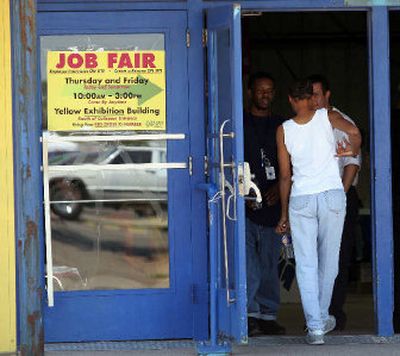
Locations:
265 162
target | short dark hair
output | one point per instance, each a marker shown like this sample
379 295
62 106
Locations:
301 89
259 75
318 78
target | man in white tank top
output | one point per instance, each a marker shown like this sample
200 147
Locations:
309 175
349 167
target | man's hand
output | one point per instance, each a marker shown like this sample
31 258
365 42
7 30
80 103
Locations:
251 203
353 133
271 197
344 149
283 225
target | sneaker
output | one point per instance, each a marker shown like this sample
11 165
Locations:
330 324
315 337
271 327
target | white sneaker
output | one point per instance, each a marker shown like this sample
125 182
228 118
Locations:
330 324
315 337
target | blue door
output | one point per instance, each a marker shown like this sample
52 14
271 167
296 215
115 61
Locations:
226 154
120 252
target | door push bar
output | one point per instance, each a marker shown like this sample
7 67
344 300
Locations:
224 183
245 184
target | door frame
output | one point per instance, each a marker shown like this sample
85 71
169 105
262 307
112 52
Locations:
380 143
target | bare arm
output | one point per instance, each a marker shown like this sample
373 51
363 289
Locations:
349 173
285 183
338 122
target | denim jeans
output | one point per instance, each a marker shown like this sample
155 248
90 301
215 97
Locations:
263 247
316 223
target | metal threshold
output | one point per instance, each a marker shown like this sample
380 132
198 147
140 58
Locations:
185 344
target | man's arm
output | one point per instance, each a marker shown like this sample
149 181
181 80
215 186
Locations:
285 183
349 173
340 123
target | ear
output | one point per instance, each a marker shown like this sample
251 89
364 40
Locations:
328 95
249 93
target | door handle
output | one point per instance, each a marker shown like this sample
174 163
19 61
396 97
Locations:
223 185
245 182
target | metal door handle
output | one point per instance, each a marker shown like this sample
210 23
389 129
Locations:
223 184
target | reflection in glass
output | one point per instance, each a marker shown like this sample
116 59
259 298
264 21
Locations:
112 246
92 171
109 215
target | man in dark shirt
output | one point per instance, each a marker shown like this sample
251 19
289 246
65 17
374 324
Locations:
262 243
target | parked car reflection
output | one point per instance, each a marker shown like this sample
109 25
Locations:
77 177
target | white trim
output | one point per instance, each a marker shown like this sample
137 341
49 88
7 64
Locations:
138 137
47 217
118 167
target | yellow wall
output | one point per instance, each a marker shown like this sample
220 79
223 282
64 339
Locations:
7 241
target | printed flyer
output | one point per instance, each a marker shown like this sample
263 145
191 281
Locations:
106 91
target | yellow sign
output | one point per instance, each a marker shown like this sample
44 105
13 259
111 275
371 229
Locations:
109 90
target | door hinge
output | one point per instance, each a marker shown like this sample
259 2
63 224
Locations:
187 38
204 37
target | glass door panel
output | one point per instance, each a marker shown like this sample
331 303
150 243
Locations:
109 215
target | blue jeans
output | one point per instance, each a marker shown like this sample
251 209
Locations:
316 223
263 247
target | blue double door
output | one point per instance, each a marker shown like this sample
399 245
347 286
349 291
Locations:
125 266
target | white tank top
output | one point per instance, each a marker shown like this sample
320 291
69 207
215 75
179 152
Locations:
312 150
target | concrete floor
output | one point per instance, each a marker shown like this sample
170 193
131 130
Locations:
358 339
291 349
360 316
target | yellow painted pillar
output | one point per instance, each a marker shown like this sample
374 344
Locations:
7 239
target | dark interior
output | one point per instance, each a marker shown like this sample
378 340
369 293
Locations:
292 46
395 128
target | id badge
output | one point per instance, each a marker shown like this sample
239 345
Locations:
270 173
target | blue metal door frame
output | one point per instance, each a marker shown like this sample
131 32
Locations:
381 170
381 189
27 179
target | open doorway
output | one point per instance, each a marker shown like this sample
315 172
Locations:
395 129
291 46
